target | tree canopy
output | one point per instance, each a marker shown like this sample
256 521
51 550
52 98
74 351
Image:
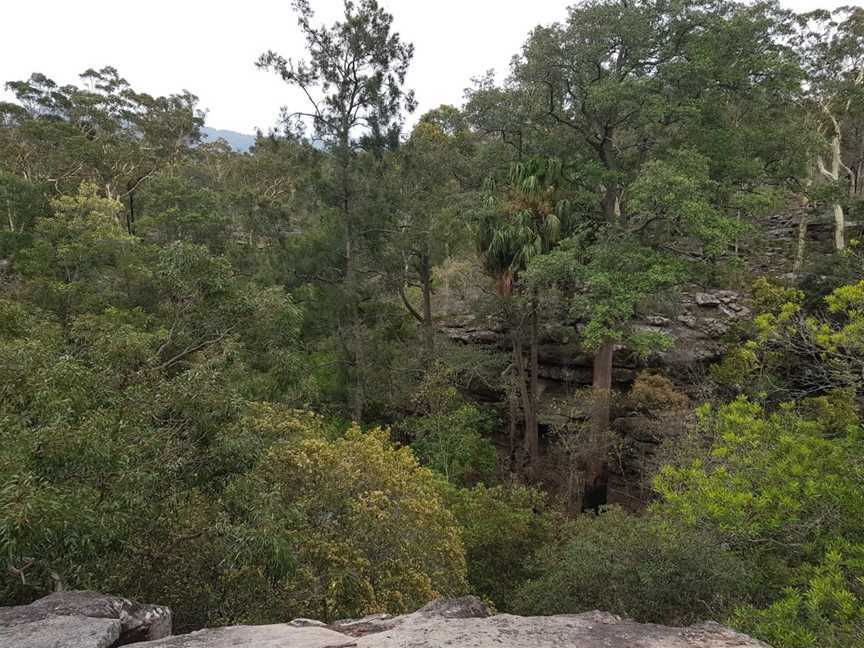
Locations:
592 339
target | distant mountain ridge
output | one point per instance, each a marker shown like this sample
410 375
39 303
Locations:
238 141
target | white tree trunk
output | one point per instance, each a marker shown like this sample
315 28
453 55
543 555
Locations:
833 174
839 220
839 228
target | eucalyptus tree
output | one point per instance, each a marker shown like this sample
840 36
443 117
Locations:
598 89
620 82
609 271
353 87
603 80
102 132
434 179
853 149
623 91
832 45
745 118
501 112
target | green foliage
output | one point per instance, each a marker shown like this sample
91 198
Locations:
846 304
644 567
76 256
502 527
759 528
365 524
357 67
172 314
23 201
676 197
527 222
104 133
824 607
609 281
793 351
122 366
782 490
771 480
449 435
455 444
433 175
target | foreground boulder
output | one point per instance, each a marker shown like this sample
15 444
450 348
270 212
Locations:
464 623
82 620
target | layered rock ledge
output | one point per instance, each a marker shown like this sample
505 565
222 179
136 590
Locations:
89 620
82 620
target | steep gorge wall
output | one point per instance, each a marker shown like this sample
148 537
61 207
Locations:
697 322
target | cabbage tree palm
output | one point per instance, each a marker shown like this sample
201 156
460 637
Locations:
520 224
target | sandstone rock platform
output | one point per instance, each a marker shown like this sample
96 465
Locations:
90 620
82 620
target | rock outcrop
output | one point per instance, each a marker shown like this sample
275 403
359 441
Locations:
458 623
695 325
82 620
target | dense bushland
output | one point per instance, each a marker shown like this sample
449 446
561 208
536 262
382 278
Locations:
225 385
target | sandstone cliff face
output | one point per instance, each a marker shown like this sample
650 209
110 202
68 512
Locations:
696 323
75 622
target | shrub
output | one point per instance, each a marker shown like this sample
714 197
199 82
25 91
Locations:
784 491
774 486
641 567
454 444
657 392
501 528
363 523
824 608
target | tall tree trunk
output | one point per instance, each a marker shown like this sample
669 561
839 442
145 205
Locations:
737 222
833 176
527 410
595 492
513 397
611 204
839 227
446 276
802 243
532 432
428 323
351 288
857 185
130 218
352 297
9 215
596 477
358 362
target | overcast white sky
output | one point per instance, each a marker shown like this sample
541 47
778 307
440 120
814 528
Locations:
209 46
